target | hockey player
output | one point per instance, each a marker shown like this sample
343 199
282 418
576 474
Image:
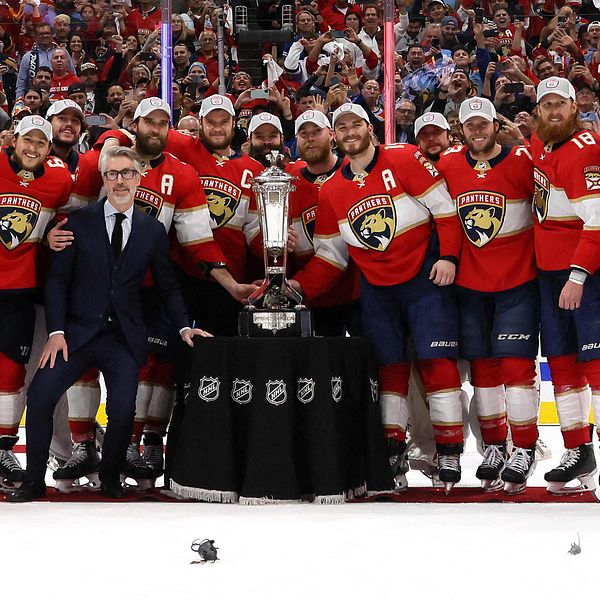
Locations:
432 133
33 189
497 291
378 210
566 211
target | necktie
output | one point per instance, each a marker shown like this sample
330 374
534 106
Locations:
116 241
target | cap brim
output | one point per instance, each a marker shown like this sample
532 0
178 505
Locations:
560 93
417 131
484 115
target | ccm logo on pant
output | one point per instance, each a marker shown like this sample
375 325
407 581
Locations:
514 336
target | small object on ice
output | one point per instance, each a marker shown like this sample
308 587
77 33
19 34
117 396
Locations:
575 547
206 549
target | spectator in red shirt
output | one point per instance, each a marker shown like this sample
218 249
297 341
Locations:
62 77
334 14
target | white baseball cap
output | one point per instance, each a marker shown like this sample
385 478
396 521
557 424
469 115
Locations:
264 118
312 116
148 105
350 107
58 107
215 102
555 85
477 107
431 118
31 122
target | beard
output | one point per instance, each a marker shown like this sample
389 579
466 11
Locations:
554 132
433 156
315 155
357 147
150 146
489 145
212 146
63 144
260 154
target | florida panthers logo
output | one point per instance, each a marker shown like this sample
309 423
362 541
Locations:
373 222
541 195
18 217
150 202
481 215
223 199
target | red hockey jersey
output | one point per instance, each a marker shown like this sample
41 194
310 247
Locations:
227 184
382 220
566 204
303 215
26 208
493 204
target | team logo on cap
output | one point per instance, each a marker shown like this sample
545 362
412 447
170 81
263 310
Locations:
373 221
552 83
481 215
346 107
216 100
309 217
309 114
541 195
475 104
156 102
37 121
427 118
18 217
150 202
223 199
265 116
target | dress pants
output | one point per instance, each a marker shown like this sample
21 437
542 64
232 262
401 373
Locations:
107 351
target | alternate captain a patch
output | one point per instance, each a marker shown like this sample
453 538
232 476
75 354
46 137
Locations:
18 217
541 195
592 178
373 221
481 215
223 199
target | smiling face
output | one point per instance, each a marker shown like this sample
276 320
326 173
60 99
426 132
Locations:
352 134
66 128
480 134
31 150
432 141
557 118
314 143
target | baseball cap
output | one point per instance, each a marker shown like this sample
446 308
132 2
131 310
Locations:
88 66
58 107
147 105
312 116
437 2
450 20
76 87
555 85
349 107
264 118
214 102
431 118
31 122
476 107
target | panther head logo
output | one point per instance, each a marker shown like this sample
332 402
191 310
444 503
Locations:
377 228
484 224
221 207
481 215
15 227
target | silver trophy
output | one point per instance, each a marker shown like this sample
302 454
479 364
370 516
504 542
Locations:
275 308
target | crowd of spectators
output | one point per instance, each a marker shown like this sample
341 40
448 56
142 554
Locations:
105 55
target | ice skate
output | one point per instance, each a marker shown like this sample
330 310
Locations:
519 467
11 472
153 453
576 463
449 469
423 462
542 452
135 468
398 463
82 465
488 472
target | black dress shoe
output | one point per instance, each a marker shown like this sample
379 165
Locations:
28 491
111 489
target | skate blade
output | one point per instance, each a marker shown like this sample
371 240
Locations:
513 489
400 483
436 482
8 487
68 486
141 485
586 484
491 485
448 485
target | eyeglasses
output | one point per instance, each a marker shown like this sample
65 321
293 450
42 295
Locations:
125 174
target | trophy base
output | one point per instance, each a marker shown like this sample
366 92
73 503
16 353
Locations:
263 322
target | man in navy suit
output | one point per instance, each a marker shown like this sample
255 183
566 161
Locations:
94 318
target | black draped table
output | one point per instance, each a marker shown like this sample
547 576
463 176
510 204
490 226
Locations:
268 420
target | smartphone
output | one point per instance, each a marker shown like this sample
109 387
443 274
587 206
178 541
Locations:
562 20
502 66
514 88
260 94
335 80
490 33
148 56
435 43
336 34
95 120
129 95
479 14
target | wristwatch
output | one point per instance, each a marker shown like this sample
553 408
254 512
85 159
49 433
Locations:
207 267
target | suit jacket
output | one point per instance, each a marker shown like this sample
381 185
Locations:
85 284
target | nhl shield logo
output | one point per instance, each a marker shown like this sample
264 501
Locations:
374 390
241 391
541 195
209 389
306 390
276 392
18 217
373 222
481 215
336 388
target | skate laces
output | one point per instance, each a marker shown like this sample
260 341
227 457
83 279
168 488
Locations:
493 457
448 461
569 459
519 460
133 456
79 455
9 461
